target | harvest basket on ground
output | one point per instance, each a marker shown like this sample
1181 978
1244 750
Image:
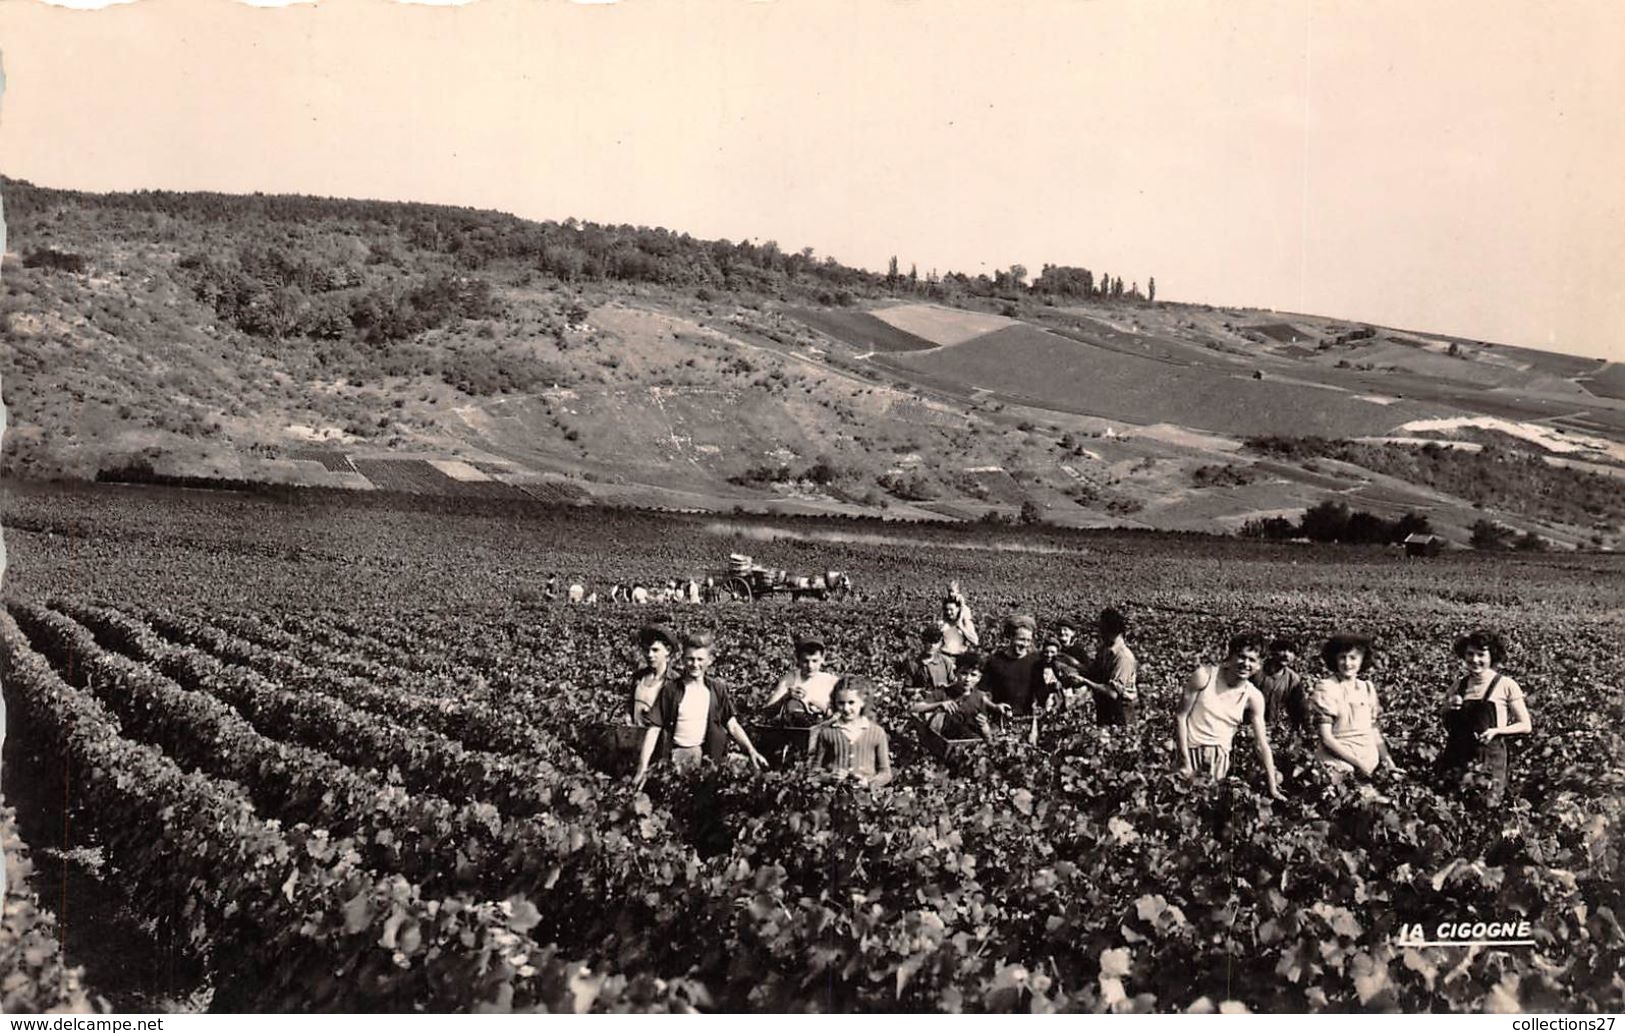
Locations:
613 748
783 745
940 746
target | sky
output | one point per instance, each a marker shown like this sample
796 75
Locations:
1445 166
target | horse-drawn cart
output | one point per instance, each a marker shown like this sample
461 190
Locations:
744 580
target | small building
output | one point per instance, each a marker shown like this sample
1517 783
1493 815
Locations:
1423 544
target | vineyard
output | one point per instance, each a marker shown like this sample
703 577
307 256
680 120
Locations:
343 762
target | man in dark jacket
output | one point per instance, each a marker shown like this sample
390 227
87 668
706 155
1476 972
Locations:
930 668
696 713
1014 674
1286 693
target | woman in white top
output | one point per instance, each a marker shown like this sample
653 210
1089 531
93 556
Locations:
958 629
1345 709
804 693
1482 710
1218 698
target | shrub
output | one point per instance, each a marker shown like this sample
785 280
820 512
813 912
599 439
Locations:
51 258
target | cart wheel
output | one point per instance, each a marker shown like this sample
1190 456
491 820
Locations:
736 589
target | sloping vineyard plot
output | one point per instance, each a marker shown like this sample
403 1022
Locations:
381 807
294 920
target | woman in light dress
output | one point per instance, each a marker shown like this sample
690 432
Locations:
1345 709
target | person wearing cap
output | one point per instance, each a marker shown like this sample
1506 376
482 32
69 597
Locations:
802 696
928 669
698 715
1014 674
958 628
658 643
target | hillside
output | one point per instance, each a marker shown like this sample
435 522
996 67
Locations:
449 351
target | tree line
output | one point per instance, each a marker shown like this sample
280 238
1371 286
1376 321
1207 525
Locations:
309 245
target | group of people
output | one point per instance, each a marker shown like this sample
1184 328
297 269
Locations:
960 692
578 592
698 714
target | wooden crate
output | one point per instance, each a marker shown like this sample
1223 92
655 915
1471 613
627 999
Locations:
938 746
783 745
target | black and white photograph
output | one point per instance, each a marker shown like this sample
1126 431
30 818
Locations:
797 507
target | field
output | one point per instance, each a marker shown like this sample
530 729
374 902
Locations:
334 754
1082 378
861 330
940 324
1608 382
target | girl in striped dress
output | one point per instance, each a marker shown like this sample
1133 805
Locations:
850 745
1218 698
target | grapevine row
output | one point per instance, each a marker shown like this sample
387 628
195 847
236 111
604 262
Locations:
297 924
578 852
392 829
426 761
36 978
475 726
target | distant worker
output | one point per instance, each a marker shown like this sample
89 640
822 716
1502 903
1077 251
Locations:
578 592
958 628
1218 699
697 713
640 595
850 744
